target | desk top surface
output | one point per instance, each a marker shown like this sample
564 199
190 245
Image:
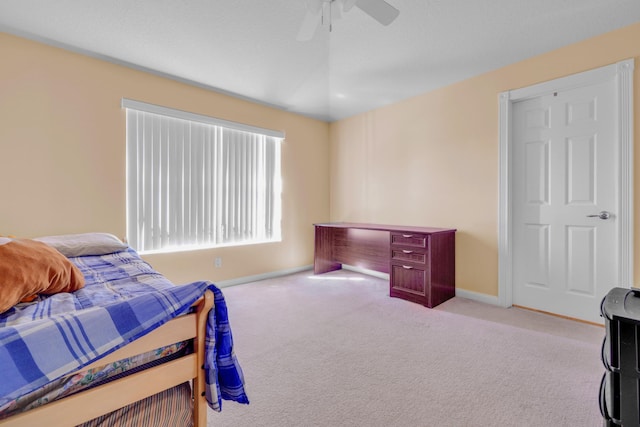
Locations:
384 227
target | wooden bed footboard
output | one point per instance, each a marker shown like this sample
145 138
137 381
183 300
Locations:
89 404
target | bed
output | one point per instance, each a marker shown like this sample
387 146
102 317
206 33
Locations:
123 346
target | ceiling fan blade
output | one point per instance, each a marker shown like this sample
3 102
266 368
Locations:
308 27
379 10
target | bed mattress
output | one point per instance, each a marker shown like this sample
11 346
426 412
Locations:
124 298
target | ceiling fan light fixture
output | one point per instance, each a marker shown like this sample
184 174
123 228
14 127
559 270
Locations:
329 13
325 12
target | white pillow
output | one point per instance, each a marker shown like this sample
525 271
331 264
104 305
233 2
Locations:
84 244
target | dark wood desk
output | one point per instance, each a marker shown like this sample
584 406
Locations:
420 261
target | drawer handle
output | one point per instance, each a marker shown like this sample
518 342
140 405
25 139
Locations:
407 267
404 251
407 235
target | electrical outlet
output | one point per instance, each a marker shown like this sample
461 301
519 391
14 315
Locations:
218 262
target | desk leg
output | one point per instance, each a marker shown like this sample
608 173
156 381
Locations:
323 260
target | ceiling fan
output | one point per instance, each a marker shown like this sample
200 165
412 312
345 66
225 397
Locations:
326 11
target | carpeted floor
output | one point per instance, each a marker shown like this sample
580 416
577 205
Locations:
335 350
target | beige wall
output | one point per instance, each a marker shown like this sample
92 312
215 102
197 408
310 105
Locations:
62 151
433 160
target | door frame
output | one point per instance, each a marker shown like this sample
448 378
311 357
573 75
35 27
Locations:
622 72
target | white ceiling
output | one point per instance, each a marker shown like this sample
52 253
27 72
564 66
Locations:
248 48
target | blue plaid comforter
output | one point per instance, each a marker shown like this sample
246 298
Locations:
123 299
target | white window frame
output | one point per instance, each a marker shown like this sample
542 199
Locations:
197 182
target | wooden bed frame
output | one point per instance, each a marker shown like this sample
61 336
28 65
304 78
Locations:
89 404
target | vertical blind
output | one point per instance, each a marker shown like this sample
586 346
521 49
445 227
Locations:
199 183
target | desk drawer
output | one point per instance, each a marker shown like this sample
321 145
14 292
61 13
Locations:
409 255
408 279
410 239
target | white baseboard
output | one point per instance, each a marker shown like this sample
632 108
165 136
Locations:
271 275
279 273
476 296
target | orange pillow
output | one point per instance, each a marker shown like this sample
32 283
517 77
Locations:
28 268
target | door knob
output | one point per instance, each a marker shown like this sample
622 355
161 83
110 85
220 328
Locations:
601 215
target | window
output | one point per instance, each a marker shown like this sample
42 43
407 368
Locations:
198 182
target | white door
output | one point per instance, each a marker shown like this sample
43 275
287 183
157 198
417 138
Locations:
565 190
